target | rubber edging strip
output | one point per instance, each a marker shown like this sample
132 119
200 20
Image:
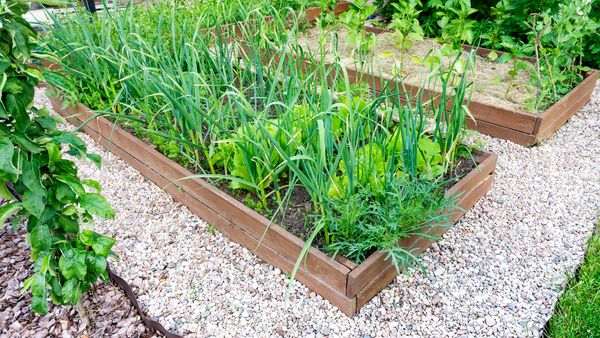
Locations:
150 323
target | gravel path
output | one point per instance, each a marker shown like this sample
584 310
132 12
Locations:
498 272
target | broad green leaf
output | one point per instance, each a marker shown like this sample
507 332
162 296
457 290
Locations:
4 192
72 264
13 86
31 177
74 183
47 122
69 224
102 245
386 54
504 58
38 285
64 193
87 237
70 139
54 154
56 287
17 107
40 238
7 169
57 3
99 264
24 141
7 210
39 305
34 202
97 159
70 210
71 291
35 74
92 184
97 205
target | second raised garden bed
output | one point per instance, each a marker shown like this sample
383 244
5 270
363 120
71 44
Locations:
346 285
517 125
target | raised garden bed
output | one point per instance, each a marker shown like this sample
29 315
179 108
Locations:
510 123
346 285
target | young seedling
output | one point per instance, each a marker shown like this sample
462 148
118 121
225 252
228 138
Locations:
354 21
327 17
454 23
515 56
406 27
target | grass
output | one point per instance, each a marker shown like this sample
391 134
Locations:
577 313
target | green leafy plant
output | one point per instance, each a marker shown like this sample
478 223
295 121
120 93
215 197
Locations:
251 159
377 219
41 186
327 16
354 21
512 17
516 54
406 27
453 20
557 42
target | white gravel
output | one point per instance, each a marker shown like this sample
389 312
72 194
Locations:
497 273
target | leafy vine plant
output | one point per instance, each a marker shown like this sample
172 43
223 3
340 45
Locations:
40 187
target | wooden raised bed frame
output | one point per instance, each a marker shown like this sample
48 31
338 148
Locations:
516 125
345 284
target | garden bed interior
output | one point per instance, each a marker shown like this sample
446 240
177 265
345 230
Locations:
345 284
491 116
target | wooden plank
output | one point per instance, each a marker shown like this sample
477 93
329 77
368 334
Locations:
468 185
318 263
486 164
388 274
313 13
518 120
378 283
560 112
499 131
347 262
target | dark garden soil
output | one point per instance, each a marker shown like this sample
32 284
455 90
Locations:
104 312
